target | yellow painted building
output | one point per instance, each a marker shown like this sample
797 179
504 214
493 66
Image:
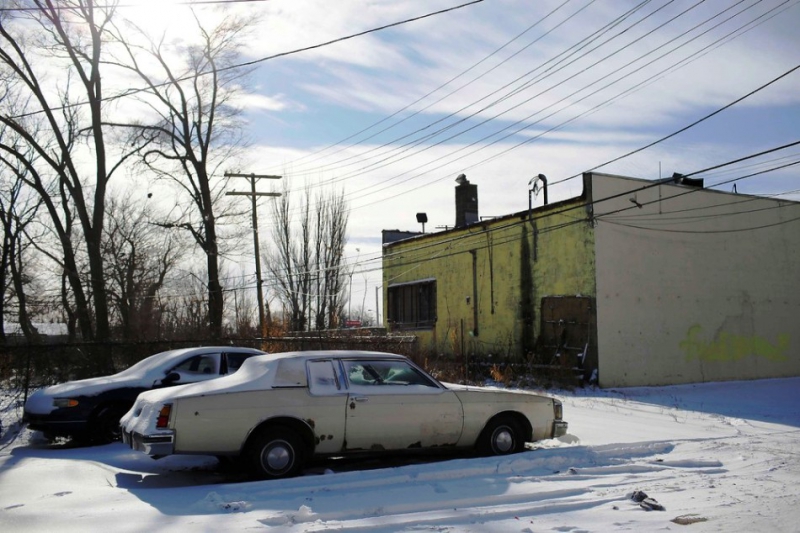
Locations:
619 282
479 288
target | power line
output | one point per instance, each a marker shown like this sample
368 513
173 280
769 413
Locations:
745 158
420 99
116 6
601 217
593 202
354 35
134 91
693 124
447 246
584 205
579 45
559 126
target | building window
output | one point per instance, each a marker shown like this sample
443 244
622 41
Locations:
413 305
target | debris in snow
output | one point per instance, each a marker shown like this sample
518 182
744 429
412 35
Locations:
304 514
214 501
689 519
646 502
649 504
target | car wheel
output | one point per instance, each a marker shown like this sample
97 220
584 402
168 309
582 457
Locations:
104 425
277 452
501 436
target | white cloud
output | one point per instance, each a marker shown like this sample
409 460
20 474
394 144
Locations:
250 101
449 45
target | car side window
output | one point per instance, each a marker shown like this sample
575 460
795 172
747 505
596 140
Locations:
235 360
200 365
385 374
322 378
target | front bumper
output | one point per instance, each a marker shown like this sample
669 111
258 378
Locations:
54 425
156 446
559 428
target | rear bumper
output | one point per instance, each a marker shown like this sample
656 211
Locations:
155 446
559 428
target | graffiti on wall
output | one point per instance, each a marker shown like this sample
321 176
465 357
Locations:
729 347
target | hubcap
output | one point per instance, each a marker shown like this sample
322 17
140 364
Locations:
503 440
278 456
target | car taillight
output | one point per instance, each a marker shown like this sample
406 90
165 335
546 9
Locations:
558 410
163 416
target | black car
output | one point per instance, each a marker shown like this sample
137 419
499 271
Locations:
90 409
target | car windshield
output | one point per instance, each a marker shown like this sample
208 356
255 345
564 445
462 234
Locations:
149 364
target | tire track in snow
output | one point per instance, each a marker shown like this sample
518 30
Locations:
456 511
552 480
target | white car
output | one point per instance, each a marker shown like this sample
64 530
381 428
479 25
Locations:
90 409
279 410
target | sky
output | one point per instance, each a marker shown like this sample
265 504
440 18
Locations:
712 460
503 90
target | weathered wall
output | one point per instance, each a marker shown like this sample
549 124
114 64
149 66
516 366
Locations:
491 277
694 285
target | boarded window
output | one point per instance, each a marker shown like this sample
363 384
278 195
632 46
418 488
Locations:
412 305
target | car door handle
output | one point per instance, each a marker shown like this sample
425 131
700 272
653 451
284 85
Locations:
355 399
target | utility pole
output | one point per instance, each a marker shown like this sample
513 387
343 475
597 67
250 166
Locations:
377 309
253 195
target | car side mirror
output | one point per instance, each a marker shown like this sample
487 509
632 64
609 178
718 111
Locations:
171 378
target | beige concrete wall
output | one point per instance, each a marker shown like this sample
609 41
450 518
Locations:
694 285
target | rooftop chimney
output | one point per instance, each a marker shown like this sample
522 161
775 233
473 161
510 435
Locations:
466 202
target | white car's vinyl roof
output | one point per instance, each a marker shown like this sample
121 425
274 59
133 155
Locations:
286 369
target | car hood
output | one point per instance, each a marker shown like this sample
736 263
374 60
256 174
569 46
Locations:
459 387
41 401
471 389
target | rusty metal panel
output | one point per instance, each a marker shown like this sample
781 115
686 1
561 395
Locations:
568 333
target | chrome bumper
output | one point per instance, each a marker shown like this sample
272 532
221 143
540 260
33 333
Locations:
559 428
153 445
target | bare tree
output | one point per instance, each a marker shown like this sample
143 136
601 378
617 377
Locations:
140 257
245 310
306 262
183 309
288 261
194 130
330 240
69 33
16 212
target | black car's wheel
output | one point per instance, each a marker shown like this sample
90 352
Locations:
104 424
276 452
501 436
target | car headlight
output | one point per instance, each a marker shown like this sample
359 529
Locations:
558 410
65 402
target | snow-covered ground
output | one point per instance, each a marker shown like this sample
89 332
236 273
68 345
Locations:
717 457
